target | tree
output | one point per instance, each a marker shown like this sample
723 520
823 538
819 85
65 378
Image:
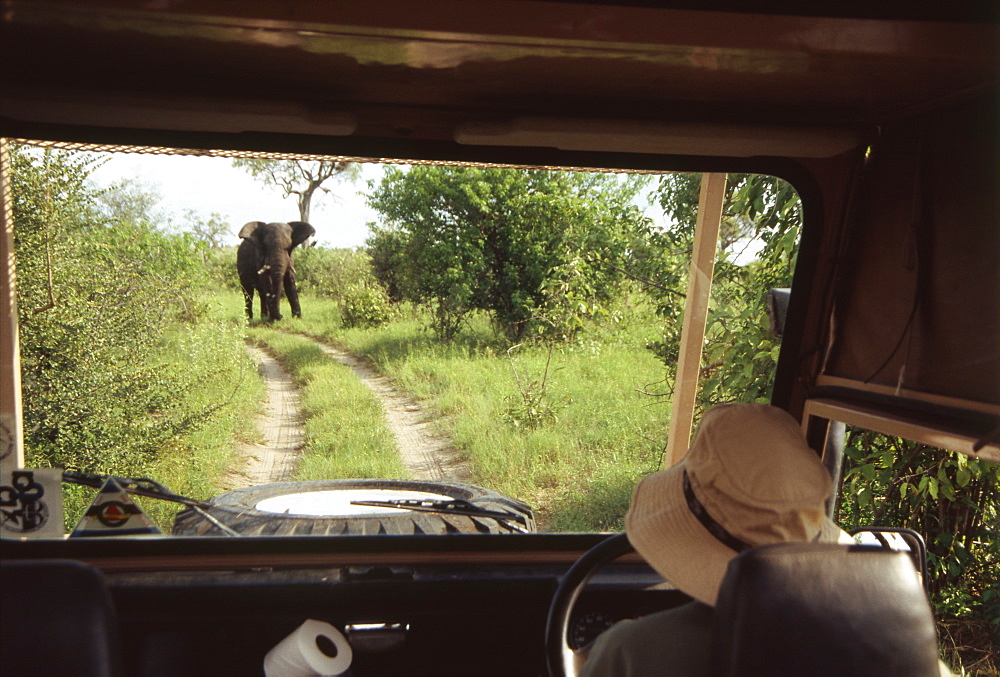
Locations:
92 398
130 201
213 231
301 178
517 244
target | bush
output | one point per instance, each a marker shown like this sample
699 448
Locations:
220 267
953 501
331 273
364 306
95 296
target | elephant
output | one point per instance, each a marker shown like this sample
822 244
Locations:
264 263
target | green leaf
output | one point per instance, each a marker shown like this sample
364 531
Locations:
962 476
865 497
932 487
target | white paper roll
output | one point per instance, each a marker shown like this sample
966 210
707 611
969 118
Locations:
315 648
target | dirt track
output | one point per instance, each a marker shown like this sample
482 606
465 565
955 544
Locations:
425 454
280 426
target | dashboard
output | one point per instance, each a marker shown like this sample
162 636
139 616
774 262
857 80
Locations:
472 605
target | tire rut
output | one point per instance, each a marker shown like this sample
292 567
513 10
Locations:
280 426
425 454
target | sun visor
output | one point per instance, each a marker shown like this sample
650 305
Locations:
917 312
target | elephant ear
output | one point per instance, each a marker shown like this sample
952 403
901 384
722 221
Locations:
250 231
301 231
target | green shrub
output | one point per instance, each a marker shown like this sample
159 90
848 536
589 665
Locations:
364 306
220 267
330 273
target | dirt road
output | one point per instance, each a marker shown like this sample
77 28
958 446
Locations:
425 454
280 425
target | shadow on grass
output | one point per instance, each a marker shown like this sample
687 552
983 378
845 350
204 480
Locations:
598 505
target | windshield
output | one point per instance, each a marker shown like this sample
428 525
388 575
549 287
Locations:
293 338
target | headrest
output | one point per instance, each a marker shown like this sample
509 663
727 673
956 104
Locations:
58 619
823 609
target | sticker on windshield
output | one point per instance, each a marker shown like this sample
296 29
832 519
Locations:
113 514
31 503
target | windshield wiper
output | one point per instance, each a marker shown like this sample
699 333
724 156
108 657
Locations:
456 506
149 488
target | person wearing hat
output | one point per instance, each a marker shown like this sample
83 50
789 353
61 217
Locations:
748 479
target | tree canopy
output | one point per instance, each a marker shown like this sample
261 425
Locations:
301 178
525 246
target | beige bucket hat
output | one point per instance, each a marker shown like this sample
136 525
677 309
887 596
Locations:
748 479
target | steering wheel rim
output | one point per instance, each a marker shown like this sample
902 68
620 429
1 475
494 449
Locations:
558 655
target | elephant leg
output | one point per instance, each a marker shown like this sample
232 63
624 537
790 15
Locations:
248 301
292 292
265 310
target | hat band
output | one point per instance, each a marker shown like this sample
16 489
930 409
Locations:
714 528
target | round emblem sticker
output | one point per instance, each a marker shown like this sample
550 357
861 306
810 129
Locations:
115 513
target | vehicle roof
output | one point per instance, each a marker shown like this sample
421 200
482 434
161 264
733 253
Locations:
451 69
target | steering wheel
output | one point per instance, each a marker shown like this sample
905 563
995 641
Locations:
558 655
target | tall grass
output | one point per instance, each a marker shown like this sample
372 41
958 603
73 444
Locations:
570 429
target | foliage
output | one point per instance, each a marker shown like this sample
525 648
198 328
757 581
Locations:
952 500
364 306
533 405
509 242
96 396
301 178
757 246
129 201
213 231
387 251
329 272
220 268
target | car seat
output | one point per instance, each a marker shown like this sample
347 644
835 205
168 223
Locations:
823 609
57 619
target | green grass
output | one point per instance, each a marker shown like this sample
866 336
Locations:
596 432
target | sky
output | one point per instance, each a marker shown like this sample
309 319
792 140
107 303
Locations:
210 185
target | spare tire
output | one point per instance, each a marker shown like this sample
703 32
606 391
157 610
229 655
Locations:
326 508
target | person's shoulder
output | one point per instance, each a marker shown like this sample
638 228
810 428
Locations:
680 637
690 618
681 624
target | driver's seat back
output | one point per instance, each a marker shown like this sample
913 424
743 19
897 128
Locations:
823 609
58 619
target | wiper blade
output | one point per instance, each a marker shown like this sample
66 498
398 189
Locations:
144 486
140 486
456 506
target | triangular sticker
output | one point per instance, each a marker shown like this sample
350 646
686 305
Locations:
113 514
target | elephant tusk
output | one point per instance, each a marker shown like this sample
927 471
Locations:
264 269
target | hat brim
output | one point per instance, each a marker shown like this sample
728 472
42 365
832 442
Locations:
671 539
